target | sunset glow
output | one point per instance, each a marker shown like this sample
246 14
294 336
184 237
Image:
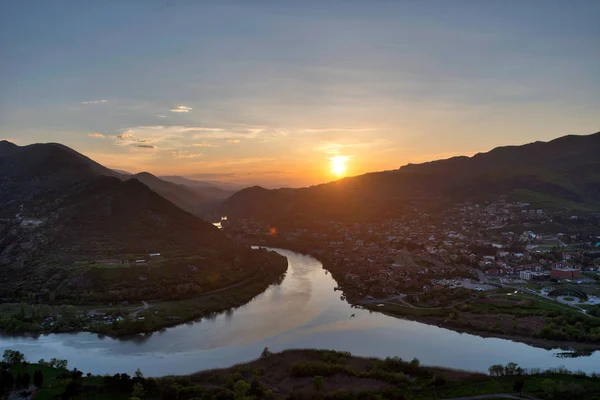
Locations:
338 165
280 98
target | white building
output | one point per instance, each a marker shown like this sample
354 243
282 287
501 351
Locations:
525 275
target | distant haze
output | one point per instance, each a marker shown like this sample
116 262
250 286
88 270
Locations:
268 92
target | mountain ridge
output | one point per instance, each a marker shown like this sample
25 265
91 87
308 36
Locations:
72 227
560 173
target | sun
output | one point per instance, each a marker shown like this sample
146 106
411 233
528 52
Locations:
338 165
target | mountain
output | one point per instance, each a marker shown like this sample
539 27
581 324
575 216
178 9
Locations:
32 175
212 190
7 147
72 227
184 197
562 173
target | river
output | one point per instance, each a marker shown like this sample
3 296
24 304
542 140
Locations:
302 312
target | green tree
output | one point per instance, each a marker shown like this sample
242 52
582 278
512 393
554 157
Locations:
549 387
19 381
318 383
138 390
56 363
518 386
26 380
7 379
496 370
240 389
265 353
138 373
511 368
38 378
13 357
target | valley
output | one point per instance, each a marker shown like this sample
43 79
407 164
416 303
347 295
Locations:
87 253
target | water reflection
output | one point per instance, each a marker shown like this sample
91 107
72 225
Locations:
303 311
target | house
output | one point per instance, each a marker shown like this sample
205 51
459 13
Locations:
565 273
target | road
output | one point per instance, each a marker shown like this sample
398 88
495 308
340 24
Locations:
484 279
144 307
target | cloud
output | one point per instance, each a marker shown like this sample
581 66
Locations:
127 138
185 154
233 140
181 109
322 130
94 102
211 175
204 129
265 173
97 135
204 144
336 148
161 116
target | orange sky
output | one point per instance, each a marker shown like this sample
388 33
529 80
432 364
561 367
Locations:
268 92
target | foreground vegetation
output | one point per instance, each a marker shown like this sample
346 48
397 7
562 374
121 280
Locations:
296 374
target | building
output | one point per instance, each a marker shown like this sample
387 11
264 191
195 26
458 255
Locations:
565 273
525 275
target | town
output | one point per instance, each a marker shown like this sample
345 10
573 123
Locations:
444 260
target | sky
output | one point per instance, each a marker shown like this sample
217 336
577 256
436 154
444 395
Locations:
293 93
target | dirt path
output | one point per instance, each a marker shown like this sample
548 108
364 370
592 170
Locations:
407 304
146 306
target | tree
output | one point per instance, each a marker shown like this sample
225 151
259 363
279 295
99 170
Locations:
549 387
19 381
415 363
265 353
60 364
518 386
138 390
38 378
496 370
26 380
240 389
7 379
70 390
511 368
13 357
138 373
318 383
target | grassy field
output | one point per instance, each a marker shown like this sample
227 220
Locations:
518 316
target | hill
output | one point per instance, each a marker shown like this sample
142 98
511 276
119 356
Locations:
71 228
184 197
213 191
563 173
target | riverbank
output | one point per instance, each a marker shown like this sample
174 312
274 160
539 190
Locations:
300 374
517 317
571 349
129 319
